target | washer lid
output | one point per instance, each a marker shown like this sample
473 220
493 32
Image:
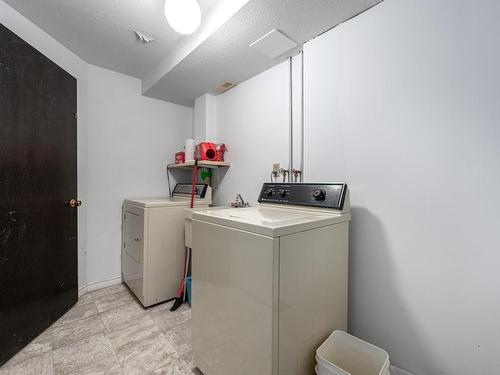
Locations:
269 221
166 202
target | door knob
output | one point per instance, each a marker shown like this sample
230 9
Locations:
75 203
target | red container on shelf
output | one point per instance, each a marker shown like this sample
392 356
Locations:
180 157
221 149
207 151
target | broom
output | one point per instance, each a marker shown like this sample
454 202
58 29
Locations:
181 292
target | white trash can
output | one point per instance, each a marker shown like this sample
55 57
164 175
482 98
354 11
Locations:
343 354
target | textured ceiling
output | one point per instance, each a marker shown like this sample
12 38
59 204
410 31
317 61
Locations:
100 31
226 54
179 68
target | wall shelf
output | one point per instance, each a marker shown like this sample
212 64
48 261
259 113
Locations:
201 164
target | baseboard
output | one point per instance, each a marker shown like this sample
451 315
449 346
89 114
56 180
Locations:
82 290
90 287
397 371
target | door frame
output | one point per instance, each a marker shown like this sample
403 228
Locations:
78 68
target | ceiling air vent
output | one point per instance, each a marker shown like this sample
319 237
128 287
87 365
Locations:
224 87
143 37
273 44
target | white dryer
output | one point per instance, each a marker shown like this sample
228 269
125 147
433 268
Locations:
270 282
153 242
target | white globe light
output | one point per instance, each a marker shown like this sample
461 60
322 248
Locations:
183 15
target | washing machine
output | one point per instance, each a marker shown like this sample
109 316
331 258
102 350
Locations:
270 282
153 242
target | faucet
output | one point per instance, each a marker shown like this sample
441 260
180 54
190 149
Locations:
239 202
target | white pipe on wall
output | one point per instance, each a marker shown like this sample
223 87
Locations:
302 115
290 150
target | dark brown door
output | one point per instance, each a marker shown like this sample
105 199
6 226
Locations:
38 229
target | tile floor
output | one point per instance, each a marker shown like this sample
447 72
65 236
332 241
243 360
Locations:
109 332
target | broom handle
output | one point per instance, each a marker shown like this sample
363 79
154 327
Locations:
193 181
181 285
182 290
186 271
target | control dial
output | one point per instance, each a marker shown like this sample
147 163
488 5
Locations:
319 194
269 192
283 193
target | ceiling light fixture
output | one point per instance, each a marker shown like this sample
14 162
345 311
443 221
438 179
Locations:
183 15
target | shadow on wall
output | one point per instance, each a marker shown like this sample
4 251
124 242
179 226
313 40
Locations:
217 178
179 176
186 176
374 295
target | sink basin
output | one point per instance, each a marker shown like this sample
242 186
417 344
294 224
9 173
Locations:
261 215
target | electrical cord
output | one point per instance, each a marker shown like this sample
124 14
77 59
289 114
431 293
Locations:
194 181
168 183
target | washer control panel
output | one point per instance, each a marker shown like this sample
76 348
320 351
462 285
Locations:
330 195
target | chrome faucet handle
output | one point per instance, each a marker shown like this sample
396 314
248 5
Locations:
296 174
239 202
284 173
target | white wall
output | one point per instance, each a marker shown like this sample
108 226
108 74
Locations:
403 103
205 118
124 143
131 139
78 68
404 94
252 119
